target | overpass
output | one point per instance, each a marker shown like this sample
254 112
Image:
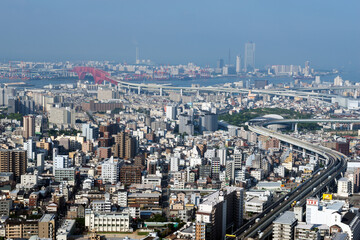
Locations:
314 120
100 76
314 185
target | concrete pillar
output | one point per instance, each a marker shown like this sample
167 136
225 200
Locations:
304 153
161 91
181 92
296 127
139 89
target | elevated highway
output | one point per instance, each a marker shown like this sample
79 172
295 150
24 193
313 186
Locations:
100 76
292 121
336 165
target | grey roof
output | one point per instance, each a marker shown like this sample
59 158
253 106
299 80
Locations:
47 217
340 236
337 206
286 218
343 179
144 194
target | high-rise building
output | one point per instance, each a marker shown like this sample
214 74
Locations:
220 63
105 94
238 64
171 112
30 147
62 116
90 132
28 126
174 164
47 226
110 171
209 122
186 124
40 162
249 64
125 146
5 93
230 170
344 187
130 174
14 161
26 106
218 212
215 168
238 158
60 161
260 83
338 81
222 154
284 226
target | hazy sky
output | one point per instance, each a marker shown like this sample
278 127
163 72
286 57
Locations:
326 32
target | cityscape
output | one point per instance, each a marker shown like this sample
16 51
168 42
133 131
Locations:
231 147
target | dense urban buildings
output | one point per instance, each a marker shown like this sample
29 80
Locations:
187 162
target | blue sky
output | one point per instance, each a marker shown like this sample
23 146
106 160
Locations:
171 31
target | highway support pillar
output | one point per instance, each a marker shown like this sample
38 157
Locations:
295 125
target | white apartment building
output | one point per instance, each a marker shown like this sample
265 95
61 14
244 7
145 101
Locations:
110 171
174 164
258 174
122 198
107 222
101 206
344 187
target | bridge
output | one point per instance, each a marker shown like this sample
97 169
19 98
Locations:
100 76
313 186
295 122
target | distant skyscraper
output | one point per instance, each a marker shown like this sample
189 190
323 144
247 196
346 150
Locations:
29 126
238 64
249 57
220 63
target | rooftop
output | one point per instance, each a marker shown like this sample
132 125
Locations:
47 218
286 218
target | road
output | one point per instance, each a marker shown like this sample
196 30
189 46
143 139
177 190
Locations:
336 164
